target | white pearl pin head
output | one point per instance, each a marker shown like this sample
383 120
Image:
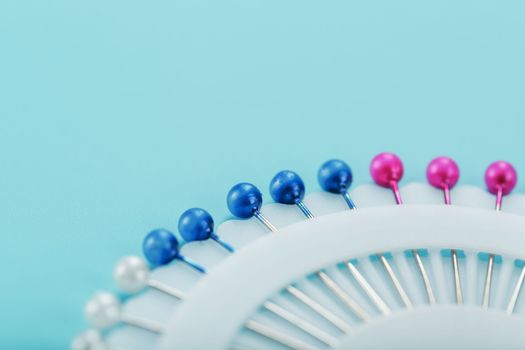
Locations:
131 274
103 310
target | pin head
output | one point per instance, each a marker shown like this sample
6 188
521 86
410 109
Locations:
287 187
386 168
103 310
443 172
131 274
244 199
195 224
501 176
160 247
335 176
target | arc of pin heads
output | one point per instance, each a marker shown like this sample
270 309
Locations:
351 205
486 295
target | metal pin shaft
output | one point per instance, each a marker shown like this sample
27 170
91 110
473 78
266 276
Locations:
424 276
457 279
488 282
302 324
163 287
344 297
259 216
399 288
516 292
319 309
372 294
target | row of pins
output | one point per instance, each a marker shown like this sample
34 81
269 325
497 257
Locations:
161 247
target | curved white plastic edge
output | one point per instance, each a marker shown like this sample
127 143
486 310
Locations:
313 244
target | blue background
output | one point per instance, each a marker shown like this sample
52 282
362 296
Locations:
115 116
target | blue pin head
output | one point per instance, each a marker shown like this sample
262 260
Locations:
160 247
244 200
335 176
196 224
287 187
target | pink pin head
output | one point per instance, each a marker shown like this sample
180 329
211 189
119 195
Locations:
501 177
443 173
386 169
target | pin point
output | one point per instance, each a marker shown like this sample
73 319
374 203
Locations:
244 201
335 176
196 224
443 173
132 275
387 170
104 311
160 247
500 178
288 188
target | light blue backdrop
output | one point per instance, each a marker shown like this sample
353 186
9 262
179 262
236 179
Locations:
115 116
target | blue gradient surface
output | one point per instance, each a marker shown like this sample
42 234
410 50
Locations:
116 116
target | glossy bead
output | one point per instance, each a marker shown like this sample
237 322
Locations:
443 172
103 310
195 224
386 168
244 200
335 176
287 187
502 176
131 274
160 247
